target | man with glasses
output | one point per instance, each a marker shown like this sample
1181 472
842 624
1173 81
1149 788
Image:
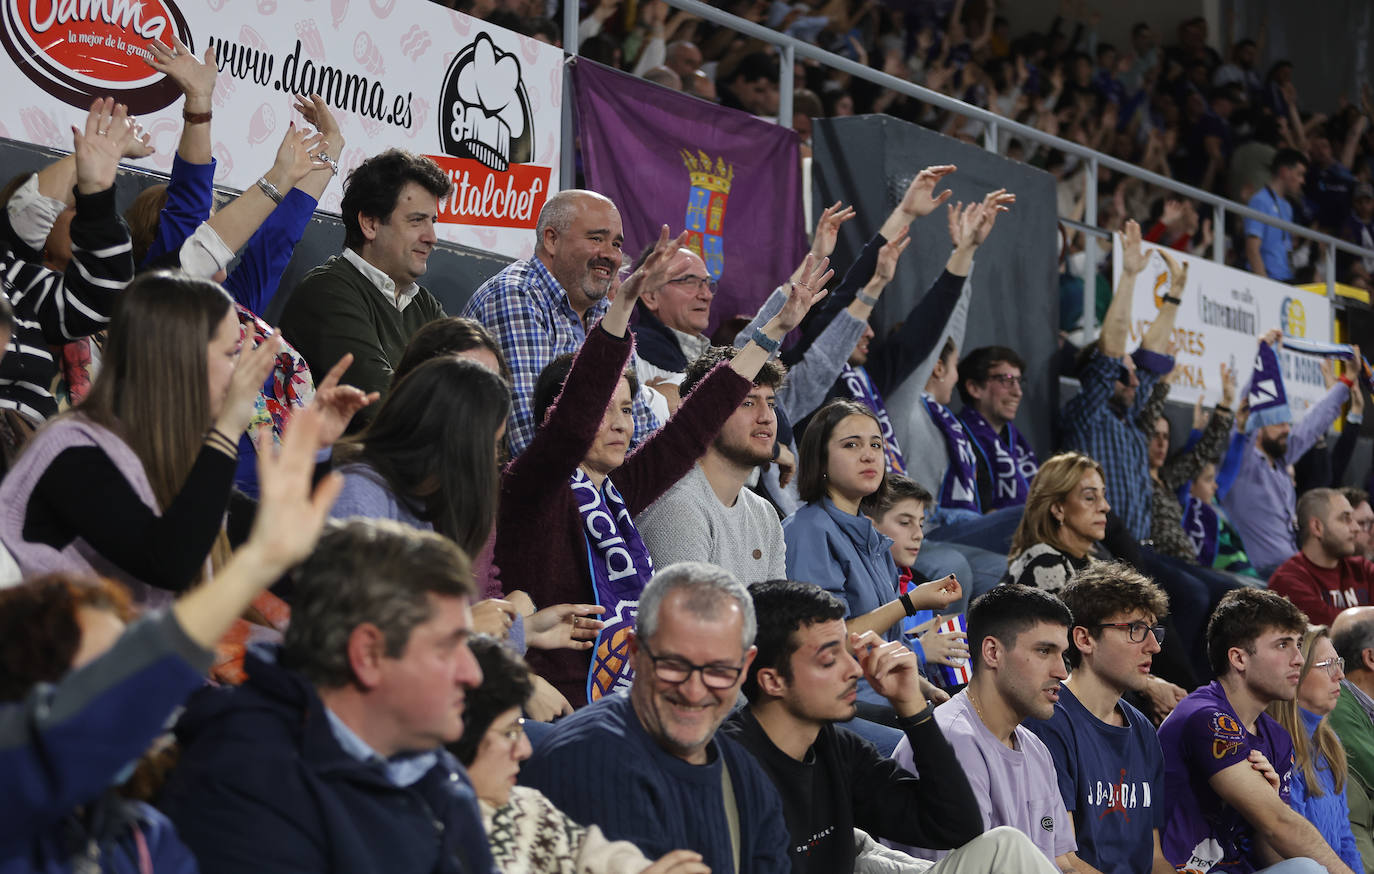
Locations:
832 782
648 767
1110 767
990 385
1328 574
1223 814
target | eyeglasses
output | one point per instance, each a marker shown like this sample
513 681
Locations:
1007 379
692 283
1335 668
675 670
1136 630
515 732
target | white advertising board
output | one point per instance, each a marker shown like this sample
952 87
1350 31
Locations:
1223 313
484 102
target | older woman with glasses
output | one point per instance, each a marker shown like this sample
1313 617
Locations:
528 834
1320 769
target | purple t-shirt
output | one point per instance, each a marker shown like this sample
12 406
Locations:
1016 787
1202 737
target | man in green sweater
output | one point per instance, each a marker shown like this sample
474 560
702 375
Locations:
1352 633
367 301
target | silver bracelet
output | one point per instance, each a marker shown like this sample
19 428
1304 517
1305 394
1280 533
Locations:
865 299
333 165
269 189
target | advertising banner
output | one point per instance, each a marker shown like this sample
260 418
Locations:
667 158
484 102
1224 312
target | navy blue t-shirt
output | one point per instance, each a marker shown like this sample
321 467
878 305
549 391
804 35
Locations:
1112 781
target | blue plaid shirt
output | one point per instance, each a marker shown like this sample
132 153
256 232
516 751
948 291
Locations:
528 313
1120 443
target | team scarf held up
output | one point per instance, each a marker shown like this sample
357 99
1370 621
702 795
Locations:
959 491
862 389
1338 351
620 566
1201 524
1012 466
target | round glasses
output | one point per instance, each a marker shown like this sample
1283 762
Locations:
1136 631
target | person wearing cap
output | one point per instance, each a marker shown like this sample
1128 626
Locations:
1262 503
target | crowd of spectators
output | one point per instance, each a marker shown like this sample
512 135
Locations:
599 595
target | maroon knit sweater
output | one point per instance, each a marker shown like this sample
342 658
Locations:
539 544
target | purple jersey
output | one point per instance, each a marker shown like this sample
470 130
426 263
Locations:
1202 737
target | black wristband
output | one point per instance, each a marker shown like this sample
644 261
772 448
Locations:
905 722
1176 301
905 598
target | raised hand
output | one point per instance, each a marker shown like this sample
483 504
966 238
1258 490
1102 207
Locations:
337 404
887 257
937 594
963 220
99 147
245 385
140 144
920 198
1134 257
994 202
1199 412
804 293
316 112
1271 336
1178 273
891 670
653 273
195 78
296 157
828 229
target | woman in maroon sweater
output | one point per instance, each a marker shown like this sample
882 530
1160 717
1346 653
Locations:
560 489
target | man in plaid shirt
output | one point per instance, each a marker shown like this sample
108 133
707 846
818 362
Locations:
543 307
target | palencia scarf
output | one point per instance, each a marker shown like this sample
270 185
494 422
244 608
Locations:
862 389
1013 463
959 491
620 567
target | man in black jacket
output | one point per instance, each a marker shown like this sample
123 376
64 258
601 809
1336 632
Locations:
835 786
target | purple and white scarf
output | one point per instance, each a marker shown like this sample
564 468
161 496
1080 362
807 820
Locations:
1202 526
1013 464
620 567
959 491
862 389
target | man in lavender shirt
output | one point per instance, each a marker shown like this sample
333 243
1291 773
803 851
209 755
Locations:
1018 636
1262 503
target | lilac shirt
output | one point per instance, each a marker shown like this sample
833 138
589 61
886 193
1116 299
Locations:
1262 503
1016 787
1202 737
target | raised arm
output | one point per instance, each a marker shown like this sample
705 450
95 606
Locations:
196 78
238 221
1162 328
919 200
1116 324
802 295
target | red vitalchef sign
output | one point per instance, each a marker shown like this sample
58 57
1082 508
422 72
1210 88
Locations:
77 50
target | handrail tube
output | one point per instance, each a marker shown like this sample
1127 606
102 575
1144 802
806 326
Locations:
911 89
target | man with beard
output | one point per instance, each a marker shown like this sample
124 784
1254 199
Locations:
542 308
1110 767
649 767
709 514
1262 500
1017 635
1328 574
1364 513
1223 814
804 681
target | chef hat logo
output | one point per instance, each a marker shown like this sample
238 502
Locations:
486 110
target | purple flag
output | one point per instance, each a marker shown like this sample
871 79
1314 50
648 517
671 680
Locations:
669 158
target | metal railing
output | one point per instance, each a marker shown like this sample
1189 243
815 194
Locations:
790 48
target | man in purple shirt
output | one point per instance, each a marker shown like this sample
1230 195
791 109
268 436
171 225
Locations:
1223 815
1262 503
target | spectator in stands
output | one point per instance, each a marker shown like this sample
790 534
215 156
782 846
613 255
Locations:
1319 766
71 737
1267 248
1261 502
1216 543
330 758
1364 514
1330 185
801 684
527 832
1169 473
751 84
684 58
1221 811
832 544
542 308
452 335
1018 636
898 512
710 513
990 384
52 308
1328 574
1065 518
648 767
1359 229
367 301
1241 72
575 479
1352 634
1096 737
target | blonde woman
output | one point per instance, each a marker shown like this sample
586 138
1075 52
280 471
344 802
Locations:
1319 772
1065 517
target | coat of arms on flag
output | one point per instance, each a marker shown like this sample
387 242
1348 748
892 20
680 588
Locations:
706 208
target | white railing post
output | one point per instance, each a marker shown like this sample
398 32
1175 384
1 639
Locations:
567 170
1089 321
786 76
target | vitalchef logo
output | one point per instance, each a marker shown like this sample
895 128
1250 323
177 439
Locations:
77 50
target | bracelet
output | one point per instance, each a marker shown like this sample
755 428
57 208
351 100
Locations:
269 189
916 719
196 117
909 607
1355 418
1176 301
866 300
217 439
768 343
1221 408
1349 383
333 165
